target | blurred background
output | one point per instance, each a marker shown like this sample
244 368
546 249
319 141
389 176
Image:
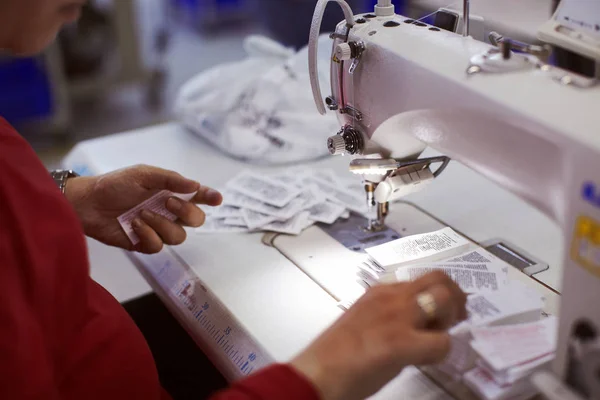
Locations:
120 66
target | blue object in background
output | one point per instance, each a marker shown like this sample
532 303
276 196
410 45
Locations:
288 21
197 7
26 93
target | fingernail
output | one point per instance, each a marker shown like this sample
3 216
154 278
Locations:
174 204
147 214
213 195
136 223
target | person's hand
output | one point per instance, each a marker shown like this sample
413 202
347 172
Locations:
98 202
385 331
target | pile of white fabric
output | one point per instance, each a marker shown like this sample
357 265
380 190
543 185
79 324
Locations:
260 109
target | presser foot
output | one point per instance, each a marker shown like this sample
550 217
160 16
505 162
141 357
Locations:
374 226
378 224
353 233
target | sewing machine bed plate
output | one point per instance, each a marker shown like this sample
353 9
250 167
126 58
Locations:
326 260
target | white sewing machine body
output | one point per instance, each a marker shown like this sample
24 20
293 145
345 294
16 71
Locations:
412 90
527 126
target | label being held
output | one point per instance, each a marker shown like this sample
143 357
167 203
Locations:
156 204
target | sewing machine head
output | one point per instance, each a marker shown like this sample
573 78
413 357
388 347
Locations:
399 85
500 108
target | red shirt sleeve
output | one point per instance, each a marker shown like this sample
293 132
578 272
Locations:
273 383
62 336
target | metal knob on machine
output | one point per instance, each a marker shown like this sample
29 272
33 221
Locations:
343 52
347 141
349 50
336 145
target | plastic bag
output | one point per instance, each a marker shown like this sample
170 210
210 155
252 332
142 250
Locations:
260 109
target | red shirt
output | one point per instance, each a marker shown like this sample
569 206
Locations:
62 336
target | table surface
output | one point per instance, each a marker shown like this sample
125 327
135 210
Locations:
265 292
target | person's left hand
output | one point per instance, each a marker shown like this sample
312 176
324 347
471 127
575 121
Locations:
98 202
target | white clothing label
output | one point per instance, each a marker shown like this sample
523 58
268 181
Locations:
217 225
226 212
510 306
156 204
326 212
483 384
508 346
233 198
472 271
264 189
416 247
331 191
235 221
256 220
292 226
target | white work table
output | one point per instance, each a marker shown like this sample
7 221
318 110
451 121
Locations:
271 303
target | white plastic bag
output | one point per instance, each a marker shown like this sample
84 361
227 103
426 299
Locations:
260 109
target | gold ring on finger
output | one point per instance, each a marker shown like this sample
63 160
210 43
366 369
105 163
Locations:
428 305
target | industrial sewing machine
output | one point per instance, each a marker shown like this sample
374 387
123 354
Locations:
529 127
500 108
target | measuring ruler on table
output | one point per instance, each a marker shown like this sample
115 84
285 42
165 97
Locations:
208 321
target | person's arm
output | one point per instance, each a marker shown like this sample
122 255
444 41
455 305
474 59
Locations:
277 382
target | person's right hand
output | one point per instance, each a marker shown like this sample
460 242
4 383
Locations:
385 331
100 200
